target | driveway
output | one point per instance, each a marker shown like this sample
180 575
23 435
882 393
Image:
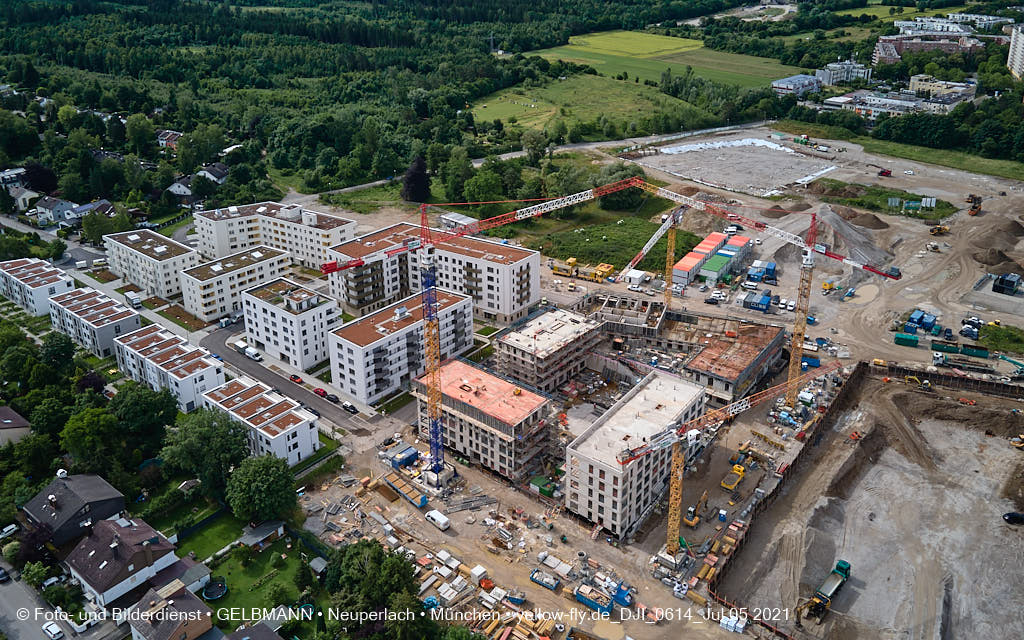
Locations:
329 411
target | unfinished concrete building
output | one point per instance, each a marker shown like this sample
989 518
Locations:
620 497
548 351
728 365
489 420
628 317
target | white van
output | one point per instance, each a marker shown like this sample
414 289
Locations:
731 230
438 519
101 262
749 286
9 531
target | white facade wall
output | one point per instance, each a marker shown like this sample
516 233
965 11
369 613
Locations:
1015 61
374 365
142 263
291 330
210 293
134 581
162 360
31 282
92 320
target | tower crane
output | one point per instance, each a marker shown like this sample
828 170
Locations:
430 237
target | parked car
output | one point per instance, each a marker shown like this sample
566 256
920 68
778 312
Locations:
311 410
790 305
649 291
296 379
4 576
757 240
710 300
635 287
332 398
52 630
320 392
351 408
216 356
1014 517
703 288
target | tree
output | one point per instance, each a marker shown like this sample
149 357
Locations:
7 203
36 454
57 350
416 182
95 225
206 443
91 437
203 187
457 170
34 573
407 627
485 186
534 144
277 594
261 488
49 416
437 155
57 249
139 133
11 551
115 132
304 577
626 199
142 416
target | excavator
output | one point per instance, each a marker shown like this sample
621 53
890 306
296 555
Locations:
939 230
692 518
923 385
975 202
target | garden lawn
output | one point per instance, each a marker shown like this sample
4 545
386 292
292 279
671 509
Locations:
212 538
241 580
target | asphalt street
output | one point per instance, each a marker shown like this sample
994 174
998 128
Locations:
18 596
215 342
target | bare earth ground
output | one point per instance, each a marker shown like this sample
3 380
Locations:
915 508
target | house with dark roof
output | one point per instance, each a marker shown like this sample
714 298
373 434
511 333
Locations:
172 613
69 505
12 426
117 557
50 209
182 189
217 172
23 197
103 206
168 138
258 631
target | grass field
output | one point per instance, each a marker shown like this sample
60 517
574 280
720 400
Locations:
212 538
581 98
646 56
621 244
1005 338
882 12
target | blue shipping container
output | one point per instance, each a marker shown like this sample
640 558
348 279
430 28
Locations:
754 277
927 321
916 316
910 327
405 457
770 268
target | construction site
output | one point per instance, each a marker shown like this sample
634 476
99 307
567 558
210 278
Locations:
792 432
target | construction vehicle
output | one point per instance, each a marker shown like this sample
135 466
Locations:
923 385
1018 442
878 362
692 518
938 230
566 269
734 477
932 246
594 274
828 285
967 402
819 603
885 173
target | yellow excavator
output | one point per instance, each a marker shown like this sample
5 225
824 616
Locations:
692 517
938 230
923 385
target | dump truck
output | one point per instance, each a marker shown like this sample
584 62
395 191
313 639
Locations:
734 477
819 603
938 230
544 579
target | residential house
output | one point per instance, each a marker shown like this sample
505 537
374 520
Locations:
216 172
13 177
71 504
12 426
51 210
117 557
31 282
172 613
167 138
23 197
182 188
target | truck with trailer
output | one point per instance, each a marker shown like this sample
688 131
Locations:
819 603
942 360
544 579
240 346
594 598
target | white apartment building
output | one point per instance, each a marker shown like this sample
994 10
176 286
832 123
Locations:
503 280
489 420
306 235
277 425
31 282
92 319
162 360
1015 61
149 260
289 322
379 354
616 496
214 289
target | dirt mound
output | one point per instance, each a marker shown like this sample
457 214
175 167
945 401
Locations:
846 191
990 257
868 448
995 421
1000 235
775 212
869 221
686 191
802 206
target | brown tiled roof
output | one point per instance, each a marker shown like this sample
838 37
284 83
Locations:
102 558
380 324
397 235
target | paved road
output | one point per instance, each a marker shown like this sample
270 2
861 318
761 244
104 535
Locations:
215 342
15 596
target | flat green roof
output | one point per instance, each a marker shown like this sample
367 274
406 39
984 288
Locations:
715 264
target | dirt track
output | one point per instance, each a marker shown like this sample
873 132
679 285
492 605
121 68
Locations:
914 507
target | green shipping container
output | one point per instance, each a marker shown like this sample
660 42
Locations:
977 352
948 347
937 330
906 340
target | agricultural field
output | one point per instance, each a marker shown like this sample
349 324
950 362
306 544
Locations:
646 56
581 98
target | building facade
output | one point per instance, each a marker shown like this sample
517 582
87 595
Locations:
797 85
31 282
149 260
503 280
842 72
289 322
92 319
889 49
214 289
924 83
70 504
162 360
277 425
549 350
619 497
488 419
1015 61
379 354
306 235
